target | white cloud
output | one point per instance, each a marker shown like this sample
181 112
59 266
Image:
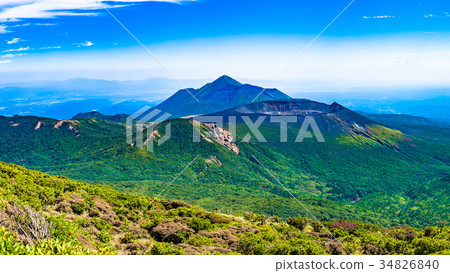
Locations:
3 30
5 61
51 47
17 49
378 17
15 41
13 10
428 15
14 55
45 24
86 43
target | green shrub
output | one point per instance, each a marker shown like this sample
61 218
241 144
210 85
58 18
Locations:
104 236
257 244
185 212
149 225
78 208
9 245
297 222
426 246
101 224
165 249
128 238
256 218
200 241
198 224
317 226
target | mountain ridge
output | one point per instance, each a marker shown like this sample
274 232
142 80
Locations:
119 118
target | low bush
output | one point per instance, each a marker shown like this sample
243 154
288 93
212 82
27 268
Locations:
165 249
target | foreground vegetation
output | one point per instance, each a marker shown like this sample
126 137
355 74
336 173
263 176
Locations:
43 214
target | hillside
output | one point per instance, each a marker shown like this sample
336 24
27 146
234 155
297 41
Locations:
119 118
414 125
73 217
223 93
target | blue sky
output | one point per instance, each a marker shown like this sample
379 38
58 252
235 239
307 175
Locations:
383 43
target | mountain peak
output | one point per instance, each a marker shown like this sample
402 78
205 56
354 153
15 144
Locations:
334 107
226 80
224 93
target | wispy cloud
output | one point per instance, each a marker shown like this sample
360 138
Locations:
17 49
378 17
86 43
15 41
14 55
3 30
13 10
51 47
5 61
45 24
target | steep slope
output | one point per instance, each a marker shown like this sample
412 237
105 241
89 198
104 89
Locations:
70 217
223 93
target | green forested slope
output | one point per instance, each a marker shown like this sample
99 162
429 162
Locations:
351 177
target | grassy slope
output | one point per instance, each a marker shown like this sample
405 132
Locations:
95 219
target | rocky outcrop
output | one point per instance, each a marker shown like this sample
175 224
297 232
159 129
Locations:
38 125
221 136
70 126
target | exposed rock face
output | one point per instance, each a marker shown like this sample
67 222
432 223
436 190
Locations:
221 136
152 137
60 123
38 125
